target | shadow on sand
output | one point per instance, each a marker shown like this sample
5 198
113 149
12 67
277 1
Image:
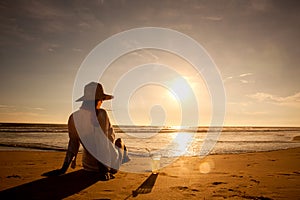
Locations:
145 187
55 187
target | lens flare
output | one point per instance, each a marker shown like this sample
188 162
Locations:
154 73
206 166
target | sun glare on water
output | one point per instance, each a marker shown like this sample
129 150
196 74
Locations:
181 142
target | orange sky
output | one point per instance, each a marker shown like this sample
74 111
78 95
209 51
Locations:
254 44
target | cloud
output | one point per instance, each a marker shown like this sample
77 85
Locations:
213 18
50 47
260 5
6 106
269 98
144 54
246 74
23 23
84 25
227 79
77 49
44 10
29 114
15 108
37 21
256 113
34 108
244 104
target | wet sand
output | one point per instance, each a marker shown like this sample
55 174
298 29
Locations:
264 175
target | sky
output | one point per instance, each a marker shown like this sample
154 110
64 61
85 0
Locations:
254 44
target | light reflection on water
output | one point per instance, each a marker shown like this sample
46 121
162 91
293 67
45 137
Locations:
168 142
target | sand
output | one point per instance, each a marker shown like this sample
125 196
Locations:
264 175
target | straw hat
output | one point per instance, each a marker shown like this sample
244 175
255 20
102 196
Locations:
94 91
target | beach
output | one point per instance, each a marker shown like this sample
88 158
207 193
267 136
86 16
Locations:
261 175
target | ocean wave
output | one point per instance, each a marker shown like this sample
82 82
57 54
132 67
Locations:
49 137
24 127
33 146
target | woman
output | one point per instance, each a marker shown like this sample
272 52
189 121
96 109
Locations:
91 127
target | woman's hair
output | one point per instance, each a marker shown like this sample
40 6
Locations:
89 105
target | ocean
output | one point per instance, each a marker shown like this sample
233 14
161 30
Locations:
141 141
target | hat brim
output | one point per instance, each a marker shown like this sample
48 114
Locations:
103 97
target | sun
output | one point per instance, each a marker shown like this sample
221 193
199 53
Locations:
181 89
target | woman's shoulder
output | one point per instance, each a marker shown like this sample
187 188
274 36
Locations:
102 112
71 116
